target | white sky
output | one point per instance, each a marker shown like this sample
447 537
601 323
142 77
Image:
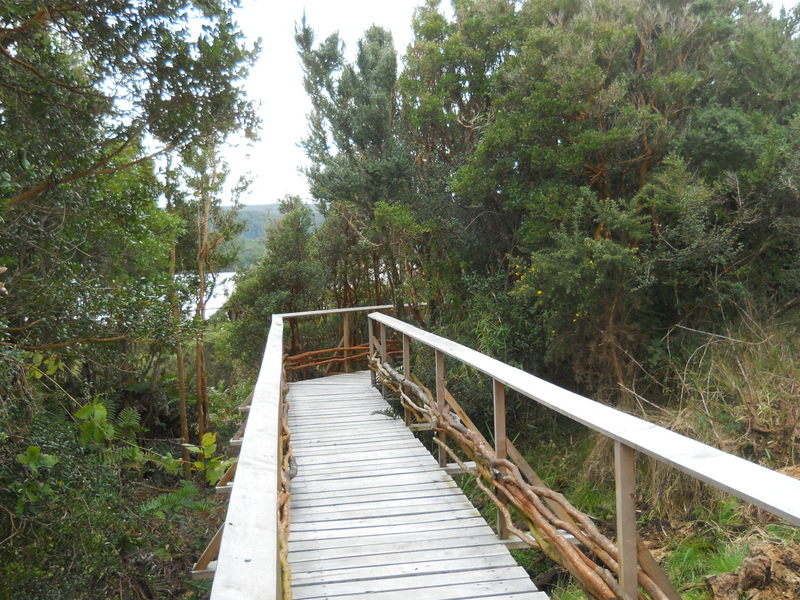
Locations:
276 80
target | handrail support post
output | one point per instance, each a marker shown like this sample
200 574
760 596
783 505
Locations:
625 477
370 338
384 355
406 372
441 403
500 447
346 340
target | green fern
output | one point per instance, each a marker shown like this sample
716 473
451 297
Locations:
187 497
122 455
128 423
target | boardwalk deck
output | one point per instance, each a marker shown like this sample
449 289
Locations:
372 513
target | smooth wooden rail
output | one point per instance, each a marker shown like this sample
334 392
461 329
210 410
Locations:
247 565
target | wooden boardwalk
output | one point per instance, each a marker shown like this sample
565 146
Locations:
372 513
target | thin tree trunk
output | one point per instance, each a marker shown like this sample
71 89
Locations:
202 260
181 367
179 358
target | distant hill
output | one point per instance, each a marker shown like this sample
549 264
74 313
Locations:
256 218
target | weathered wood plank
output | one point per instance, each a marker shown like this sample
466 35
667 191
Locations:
380 554
375 509
500 580
472 529
423 490
377 532
440 515
513 590
404 566
356 474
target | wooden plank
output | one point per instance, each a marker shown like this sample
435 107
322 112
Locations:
455 468
358 457
424 490
402 568
367 471
385 507
772 491
375 482
335 470
203 567
248 556
376 419
440 401
517 589
377 553
206 573
476 529
499 579
412 454
441 515
320 445
500 448
378 531
336 311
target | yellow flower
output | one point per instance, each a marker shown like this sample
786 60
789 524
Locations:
539 293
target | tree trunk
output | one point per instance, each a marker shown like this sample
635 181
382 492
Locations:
202 260
181 366
179 358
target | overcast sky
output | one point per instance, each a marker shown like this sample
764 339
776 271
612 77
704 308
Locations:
275 82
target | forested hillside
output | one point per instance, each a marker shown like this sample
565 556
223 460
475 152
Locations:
257 220
606 194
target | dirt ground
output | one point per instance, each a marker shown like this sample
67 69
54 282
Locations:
770 572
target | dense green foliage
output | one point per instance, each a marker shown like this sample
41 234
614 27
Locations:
565 184
90 92
603 193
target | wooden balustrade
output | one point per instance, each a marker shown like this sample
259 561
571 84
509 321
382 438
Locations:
772 491
248 561
247 546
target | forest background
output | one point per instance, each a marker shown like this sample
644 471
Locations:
605 194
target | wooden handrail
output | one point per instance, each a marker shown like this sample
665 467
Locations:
247 566
774 492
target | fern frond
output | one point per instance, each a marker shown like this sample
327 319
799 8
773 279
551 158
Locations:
186 497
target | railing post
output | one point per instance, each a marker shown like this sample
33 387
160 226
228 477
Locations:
346 340
441 402
625 475
406 372
384 355
371 337
500 450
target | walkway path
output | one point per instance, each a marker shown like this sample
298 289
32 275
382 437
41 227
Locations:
373 516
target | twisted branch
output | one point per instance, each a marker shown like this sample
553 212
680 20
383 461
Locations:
546 526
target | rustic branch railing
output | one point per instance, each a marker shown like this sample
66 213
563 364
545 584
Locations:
632 564
252 542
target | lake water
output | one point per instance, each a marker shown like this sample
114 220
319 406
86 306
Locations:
222 291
